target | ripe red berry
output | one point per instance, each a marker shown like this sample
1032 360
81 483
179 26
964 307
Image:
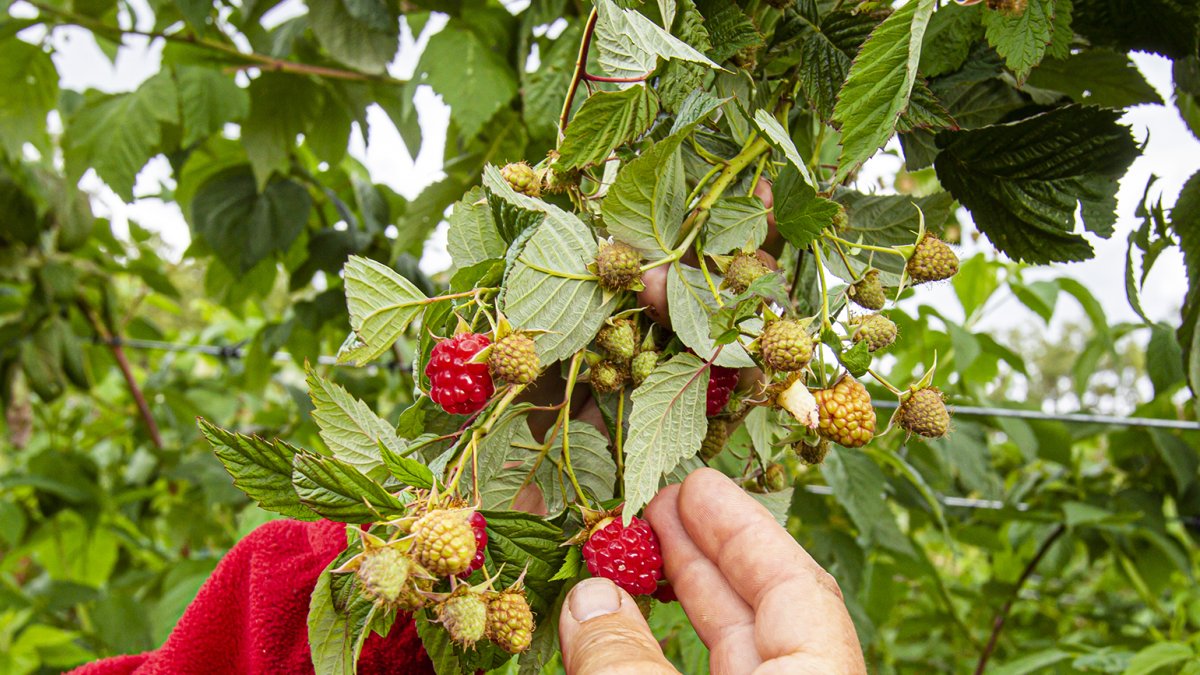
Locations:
456 384
629 556
721 381
479 526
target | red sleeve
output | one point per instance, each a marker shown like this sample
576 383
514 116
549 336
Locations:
251 615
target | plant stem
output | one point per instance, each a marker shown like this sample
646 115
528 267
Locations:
585 43
865 247
998 624
572 377
882 380
255 59
619 446
479 433
604 78
816 251
118 352
701 183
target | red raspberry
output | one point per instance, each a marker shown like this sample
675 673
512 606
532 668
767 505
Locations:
665 593
457 385
629 556
721 381
479 526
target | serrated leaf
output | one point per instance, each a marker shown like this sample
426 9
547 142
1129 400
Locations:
28 92
777 503
1185 223
761 424
348 426
645 205
779 139
1165 27
858 484
282 105
496 448
572 565
591 460
729 29
549 287
953 30
879 84
338 491
735 223
260 468
382 304
1096 76
800 215
629 45
827 53
522 542
857 359
407 470
666 426
363 34
336 635
605 121
542 90
472 236
471 78
208 100
1022 180
691 302
1021 38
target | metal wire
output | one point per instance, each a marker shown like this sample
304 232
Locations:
964 502
237 351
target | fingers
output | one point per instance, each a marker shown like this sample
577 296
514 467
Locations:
724 622
798 607
602 632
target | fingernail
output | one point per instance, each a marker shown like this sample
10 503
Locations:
592 598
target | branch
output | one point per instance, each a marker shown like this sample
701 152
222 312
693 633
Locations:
123 362
998 624
580 66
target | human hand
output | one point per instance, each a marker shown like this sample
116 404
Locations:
755 597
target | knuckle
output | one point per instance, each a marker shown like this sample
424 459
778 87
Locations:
826 581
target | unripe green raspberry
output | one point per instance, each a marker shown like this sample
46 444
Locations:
841 219
514 359
522 178
643 365
607 377
868 292
775 478
746 57
932 260
845 413
510 621
714 438
876 330
443 541
743 270
785 346
464 615
384 574
812 454
619 266
619 339
924 413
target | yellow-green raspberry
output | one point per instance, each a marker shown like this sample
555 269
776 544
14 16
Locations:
607 377
785 346
619 339
514 359
876 330
868 292
744 270
384 574
464 616
643 365
775 478
619 266
714 438
924 413
510 621
845 413
444 542
932 260
522 178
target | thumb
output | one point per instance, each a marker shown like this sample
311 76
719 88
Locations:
602 632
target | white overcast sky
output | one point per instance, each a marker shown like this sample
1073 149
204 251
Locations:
1171 153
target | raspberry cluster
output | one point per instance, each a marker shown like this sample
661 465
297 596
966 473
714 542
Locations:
629 556
846 414
456 384
721 381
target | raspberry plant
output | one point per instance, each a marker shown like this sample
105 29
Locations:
714 145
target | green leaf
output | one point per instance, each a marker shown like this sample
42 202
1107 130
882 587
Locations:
729 29
1164 359
117 135
244 226
591 459
282 106
629 45
208 99
1166 27
348 426
645 205
691 302
858 484
857 359
827 54
549 287
800 215
1021 38
1032 663
1185 222
1096 76
779 139
382 304
542 90
523 542
337 491
886 220
363 34
472 236
262 469
666 426
605 121
472 79
336 634
1158 656
952 31
1023 180
28 92
879 84
735 223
